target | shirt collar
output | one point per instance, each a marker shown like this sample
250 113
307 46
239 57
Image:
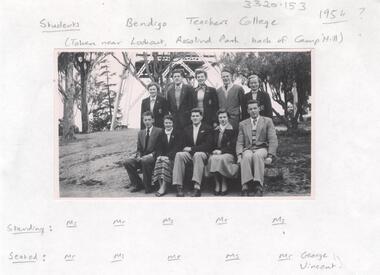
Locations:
150 129
197 127
257 119
180 85
153 98
168 132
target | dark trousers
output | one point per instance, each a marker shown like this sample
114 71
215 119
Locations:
146 164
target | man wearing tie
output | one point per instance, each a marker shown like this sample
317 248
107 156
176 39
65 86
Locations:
148 144
197 140
156 104
263 99
231 98
256 146
180 100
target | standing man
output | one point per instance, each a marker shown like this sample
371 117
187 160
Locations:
156 104
148 144
198 144
256 146
206 99
231 98
180 101
263 99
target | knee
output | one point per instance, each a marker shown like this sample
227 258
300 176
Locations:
180 155
145 161
199 155
258 155
128 162
247 154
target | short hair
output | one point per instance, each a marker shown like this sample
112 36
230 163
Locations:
227 70
252 101
147 113
200 71
177 71
253 76
197 110
169 117
222 111
154 84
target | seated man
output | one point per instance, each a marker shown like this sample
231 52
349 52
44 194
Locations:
147 146
198 143
256 145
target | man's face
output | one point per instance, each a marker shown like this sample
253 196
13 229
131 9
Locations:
148 121
226 78
254 83
177 78
196 118
152 91
253 110
223 118
168 124
201 78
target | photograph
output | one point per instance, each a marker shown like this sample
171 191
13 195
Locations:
211 123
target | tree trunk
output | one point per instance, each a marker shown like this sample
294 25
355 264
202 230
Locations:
68 104
117 100
84 107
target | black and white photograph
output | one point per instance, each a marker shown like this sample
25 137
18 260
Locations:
200 123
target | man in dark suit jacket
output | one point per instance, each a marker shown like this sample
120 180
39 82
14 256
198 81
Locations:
206 98
265 104
256 146
198 143
180 101
148 144
156 104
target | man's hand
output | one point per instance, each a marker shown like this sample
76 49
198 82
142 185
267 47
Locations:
147 156
217 152
187 149
268 160
239 159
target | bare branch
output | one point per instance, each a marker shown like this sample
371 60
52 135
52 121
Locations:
117 59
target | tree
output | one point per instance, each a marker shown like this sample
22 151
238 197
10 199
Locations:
101 97
84 63
279 70
66 87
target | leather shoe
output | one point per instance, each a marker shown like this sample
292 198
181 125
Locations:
148 190
257 189
244 193
223 193
196 193
217 193
180 191
136 189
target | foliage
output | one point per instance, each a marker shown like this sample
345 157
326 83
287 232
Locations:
101 97
279 70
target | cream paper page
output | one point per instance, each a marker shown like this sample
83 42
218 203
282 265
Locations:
333 230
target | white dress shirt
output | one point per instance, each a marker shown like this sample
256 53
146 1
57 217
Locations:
254 125
168 134
195 132
152 102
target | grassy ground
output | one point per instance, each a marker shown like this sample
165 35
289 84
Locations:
91 166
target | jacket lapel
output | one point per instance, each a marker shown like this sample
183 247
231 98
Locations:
259 127
248 130
143 133
170 140
151 135
155 104
182 95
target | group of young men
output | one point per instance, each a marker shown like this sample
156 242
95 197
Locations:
194 112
